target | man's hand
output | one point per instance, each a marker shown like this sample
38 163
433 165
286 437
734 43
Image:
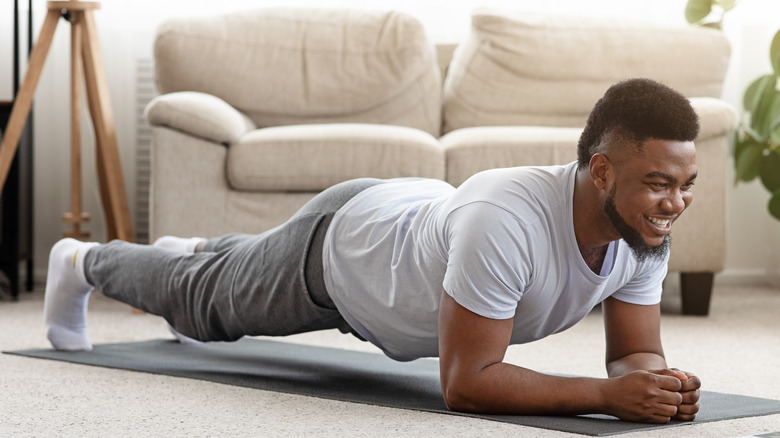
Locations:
656 396
644 396
689 390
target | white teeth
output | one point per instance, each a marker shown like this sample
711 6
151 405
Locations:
663 223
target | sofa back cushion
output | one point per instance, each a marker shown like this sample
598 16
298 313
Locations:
303 66
536 69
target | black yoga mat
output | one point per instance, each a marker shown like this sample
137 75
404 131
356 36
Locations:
352 376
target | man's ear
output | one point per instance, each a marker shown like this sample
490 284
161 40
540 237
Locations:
600 170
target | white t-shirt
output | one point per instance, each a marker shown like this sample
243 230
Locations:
502 245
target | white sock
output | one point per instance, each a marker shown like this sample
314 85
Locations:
179 244
67 294
183 245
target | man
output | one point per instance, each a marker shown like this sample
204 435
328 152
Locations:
419 268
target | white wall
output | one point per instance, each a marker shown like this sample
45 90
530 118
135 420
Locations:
126 30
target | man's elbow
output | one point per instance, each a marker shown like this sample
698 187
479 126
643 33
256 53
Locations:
459 400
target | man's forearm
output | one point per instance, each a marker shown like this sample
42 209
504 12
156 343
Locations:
508 389
634 362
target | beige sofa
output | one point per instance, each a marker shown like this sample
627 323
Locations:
261 110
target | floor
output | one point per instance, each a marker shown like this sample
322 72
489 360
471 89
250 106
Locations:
735 349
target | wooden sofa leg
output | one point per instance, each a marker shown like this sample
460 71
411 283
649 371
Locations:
696 290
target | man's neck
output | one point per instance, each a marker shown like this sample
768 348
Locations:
594 257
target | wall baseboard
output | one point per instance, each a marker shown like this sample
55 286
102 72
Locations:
748 277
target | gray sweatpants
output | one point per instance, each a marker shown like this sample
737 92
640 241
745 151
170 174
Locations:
267 284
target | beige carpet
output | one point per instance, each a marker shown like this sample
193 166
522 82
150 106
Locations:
736 350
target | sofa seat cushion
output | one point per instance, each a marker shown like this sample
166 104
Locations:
472 150
536 69
315 157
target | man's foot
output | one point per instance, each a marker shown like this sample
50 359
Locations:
67 294
183 245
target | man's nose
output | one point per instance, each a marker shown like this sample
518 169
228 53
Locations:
676 202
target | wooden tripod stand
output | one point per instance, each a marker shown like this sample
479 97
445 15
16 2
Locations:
84 48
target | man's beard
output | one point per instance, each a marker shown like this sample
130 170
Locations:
642 251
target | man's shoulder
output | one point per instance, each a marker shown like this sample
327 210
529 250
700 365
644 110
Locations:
522 174
524 192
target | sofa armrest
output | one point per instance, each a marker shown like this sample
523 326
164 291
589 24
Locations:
716 117
199 114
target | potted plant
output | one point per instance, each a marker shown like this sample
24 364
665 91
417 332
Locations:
757 142
757 145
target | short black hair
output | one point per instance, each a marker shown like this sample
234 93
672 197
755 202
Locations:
636 110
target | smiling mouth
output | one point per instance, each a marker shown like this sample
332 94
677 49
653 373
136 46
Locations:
661 224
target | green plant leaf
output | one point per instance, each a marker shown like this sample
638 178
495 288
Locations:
752 97
744 128
774 53
774 205
766 116
769 171
775 137
696 10
766 110
748 155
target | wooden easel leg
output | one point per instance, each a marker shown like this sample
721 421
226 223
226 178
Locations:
105 197
75 216
117 211
26 93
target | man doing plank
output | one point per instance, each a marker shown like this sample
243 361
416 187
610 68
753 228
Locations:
419 268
